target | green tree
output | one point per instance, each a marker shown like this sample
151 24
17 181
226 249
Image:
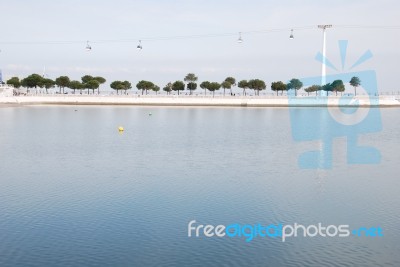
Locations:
327 88
232 81
92 84
48 83
117 85
86 78
62 82
355 82
144 86
32 81
140 86
243 84
257 85
213 86
226 85
178 86
14 81
24 83
149 86
295 84
250 84
191 86
101 80
338 86
156 89
204 85
168 88
76 85
313 88
191 80
278 86
126 85
308 90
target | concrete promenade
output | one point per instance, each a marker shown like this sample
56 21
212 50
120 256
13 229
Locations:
184 100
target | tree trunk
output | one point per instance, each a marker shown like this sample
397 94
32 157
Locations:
355 90
224 91
213 93
205 91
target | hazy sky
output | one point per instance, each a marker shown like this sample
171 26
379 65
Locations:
269 56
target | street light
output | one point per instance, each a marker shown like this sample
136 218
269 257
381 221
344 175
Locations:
291 35
88 47
240 40
323 71
139 47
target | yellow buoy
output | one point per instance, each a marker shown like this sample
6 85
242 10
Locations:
120 128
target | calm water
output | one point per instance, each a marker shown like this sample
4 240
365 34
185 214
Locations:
75 192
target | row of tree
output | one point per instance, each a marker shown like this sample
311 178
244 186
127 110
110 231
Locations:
36 81
189 82
255 84
191 79
121 85
336 86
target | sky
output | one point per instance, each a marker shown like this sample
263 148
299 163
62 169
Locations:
52 35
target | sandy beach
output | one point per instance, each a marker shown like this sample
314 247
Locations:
280 101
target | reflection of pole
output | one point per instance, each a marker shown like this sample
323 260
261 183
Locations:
323 71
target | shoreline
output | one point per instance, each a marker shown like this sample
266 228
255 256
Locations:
196 101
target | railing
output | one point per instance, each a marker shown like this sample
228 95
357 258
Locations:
263 95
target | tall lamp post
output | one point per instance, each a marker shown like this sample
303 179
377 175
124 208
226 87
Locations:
323 74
